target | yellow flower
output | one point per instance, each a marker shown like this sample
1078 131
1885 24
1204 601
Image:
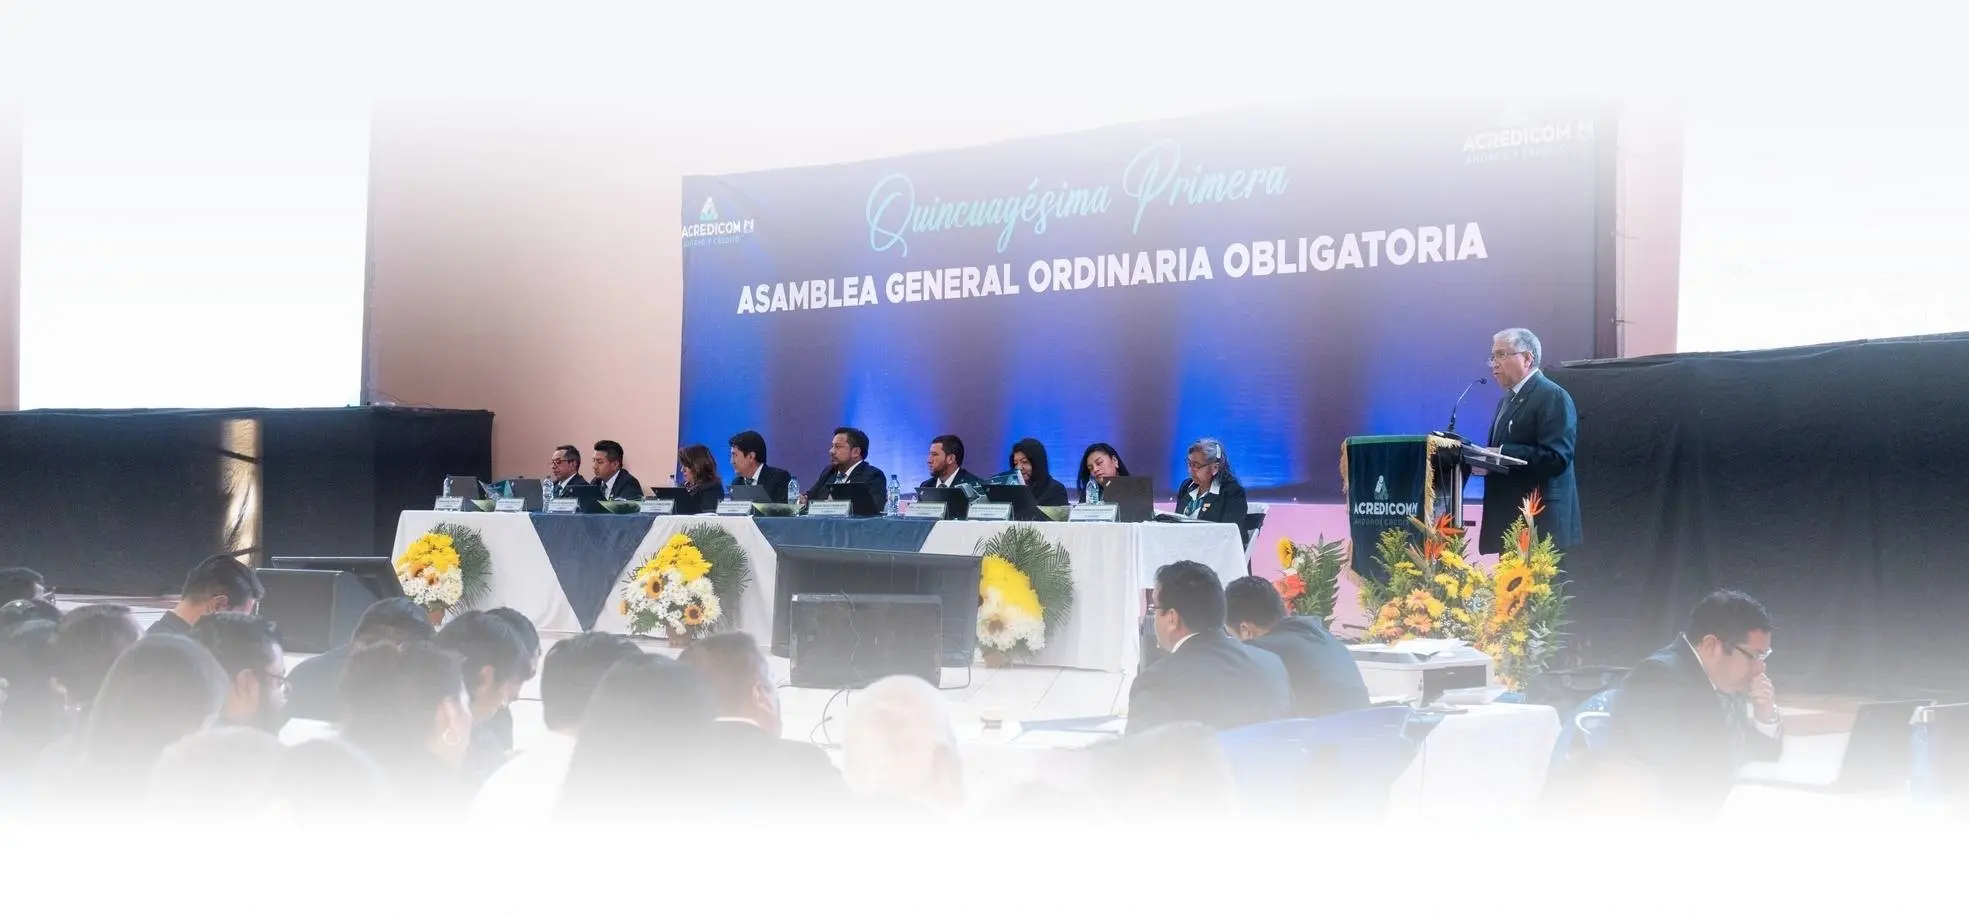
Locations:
691 564
1460 616
1404 565
1517 650
1285 551
1519 636
1436 608
653 586
1453 560
693 615
625 607
1012 586
1446 582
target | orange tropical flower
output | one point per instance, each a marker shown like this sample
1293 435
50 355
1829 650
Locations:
1524 541
1534 505
1290 587
1446 527
1432 550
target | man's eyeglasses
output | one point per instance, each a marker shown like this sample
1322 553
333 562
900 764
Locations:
275 680
1759 656
1497 357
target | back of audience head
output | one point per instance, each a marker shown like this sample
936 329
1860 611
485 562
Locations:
87 643
222 773
21 584
32 714
1252 605
326 780
648 713
495 659
404 701
571 671
397 620
222 584
27 610
1188 600
529 635
248 649
899 747
738 677
164 688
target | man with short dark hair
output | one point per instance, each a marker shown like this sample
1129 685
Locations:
248 649
563 472
1697 710
87 643
314 685
496 662
1208 677
749 468
847 462
1324 678
218 584
947 466
528 785
21 584
752 759
617 484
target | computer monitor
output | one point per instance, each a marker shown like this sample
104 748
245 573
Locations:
860 498
850 640
956 501
1132 496
826 569
317 600
679 498
1019 497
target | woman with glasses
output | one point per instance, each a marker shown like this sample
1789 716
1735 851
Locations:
1212 492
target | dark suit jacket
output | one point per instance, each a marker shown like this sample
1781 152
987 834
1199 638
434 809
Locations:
627 487
765 768
314 685
1324 678
773 479
703 499
865 474
963 477
549 491
1668 717
1228 506
1051 494
1536 425
1212 679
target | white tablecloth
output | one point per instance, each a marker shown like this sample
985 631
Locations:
1113 566
755 608
522 577
1487 763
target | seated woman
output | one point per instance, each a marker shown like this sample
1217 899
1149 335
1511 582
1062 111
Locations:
1099 465
1212 493
701 478
1029 461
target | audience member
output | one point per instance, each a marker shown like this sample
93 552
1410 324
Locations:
1323 675
164 688
1697 710
22 584
32 713
408 709
87 644
641 746
1208 676
314 685
326 781
527 787
497 660
899 751
218 775
218 584
751 758
27 610
248 649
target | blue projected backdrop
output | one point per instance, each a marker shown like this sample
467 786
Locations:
1279 280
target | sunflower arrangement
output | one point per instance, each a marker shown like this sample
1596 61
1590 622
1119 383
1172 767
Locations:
445 570
1025 593
685 586
1513 613
1310 584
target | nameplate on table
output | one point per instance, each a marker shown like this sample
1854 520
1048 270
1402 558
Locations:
927 510
450 503
829 508
564 506
991 510
658 506
1093 513
510 505
729 508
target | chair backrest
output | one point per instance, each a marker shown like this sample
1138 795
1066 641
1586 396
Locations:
1590 723
1254 521
1342 762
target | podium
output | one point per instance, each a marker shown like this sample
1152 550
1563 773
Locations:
1389 479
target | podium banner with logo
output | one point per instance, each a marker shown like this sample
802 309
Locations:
1386 479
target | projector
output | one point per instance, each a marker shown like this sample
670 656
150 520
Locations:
1420 671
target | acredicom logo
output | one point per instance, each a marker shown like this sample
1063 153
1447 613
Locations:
709 229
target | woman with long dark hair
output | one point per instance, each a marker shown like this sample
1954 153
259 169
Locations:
1099 465
701 479
1029 460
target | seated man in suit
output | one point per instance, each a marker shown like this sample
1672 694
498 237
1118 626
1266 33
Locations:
947 467
749 757
1698 709
1325 680
1212 493
616 482
748 453
847 457
1208 677
1535 422
563 473
219 584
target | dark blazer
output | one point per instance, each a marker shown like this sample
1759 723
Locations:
703 499
1049 494
1228 506
765 768
550 491
1212 679
1668 717
627 487
1324 678
314 685
866 474
1536 425
963 477
771 478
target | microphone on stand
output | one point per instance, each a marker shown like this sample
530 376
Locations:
1451 432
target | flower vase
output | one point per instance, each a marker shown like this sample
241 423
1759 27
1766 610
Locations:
996 660
680 639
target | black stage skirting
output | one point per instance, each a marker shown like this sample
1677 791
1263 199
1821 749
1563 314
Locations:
1824 481
126 501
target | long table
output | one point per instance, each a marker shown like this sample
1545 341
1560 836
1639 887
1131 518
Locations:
563 571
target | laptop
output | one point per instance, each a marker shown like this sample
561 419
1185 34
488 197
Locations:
1876 756
956 501
587 498
1133 496
860 498
1024 508
678 497
753 494
528 490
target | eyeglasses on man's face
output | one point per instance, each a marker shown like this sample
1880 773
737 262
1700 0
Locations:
1762 656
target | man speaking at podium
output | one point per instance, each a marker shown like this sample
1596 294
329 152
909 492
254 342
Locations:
1536 424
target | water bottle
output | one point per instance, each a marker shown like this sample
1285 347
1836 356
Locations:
447 487
792 489
1923 790
1093 496
891 507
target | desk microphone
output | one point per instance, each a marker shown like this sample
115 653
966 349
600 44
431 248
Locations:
1459 402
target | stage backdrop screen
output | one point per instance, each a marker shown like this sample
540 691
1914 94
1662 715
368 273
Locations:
1279 280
